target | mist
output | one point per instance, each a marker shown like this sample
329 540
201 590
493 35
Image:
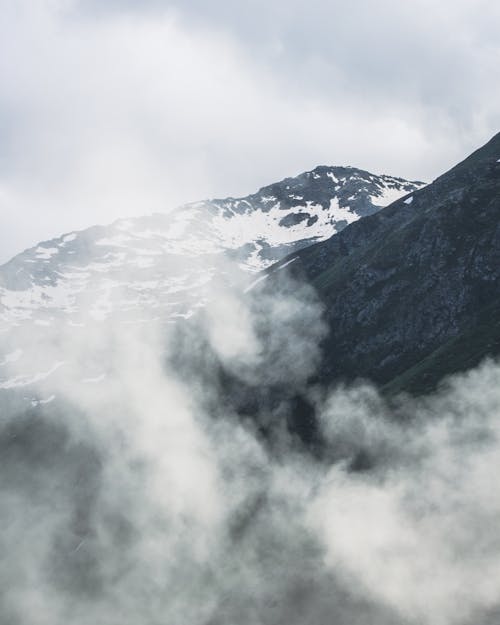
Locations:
137 490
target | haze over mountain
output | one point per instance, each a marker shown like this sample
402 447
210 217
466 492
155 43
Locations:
228 404
165 266
183 437
149 261
410 294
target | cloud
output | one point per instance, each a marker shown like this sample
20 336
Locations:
373 55
144 497
418 532
124 108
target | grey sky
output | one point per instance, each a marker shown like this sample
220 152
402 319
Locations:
118 108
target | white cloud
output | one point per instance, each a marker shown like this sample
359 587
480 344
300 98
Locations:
147 499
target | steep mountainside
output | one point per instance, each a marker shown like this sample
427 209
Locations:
163 266
413 292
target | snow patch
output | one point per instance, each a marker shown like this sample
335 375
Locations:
255 283
287 263
38 402
44 253
25 380
388 196
341 214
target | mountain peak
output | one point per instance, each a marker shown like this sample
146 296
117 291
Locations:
360 192
169 259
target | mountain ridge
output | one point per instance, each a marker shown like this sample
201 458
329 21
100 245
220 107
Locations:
436 252
254 231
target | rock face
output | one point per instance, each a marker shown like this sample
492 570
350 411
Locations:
413 292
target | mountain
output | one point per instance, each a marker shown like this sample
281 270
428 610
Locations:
412 293
163 266
162 263
147 480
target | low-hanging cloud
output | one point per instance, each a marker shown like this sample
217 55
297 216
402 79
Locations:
145 498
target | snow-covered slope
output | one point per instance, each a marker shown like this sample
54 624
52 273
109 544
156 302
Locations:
162 264
62 300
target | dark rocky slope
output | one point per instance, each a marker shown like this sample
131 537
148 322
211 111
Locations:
412 293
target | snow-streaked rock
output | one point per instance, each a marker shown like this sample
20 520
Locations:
164 263
162 267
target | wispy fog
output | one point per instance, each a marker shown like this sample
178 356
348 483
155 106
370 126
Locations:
138 496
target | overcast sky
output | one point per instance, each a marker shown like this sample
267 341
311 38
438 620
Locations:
121 107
